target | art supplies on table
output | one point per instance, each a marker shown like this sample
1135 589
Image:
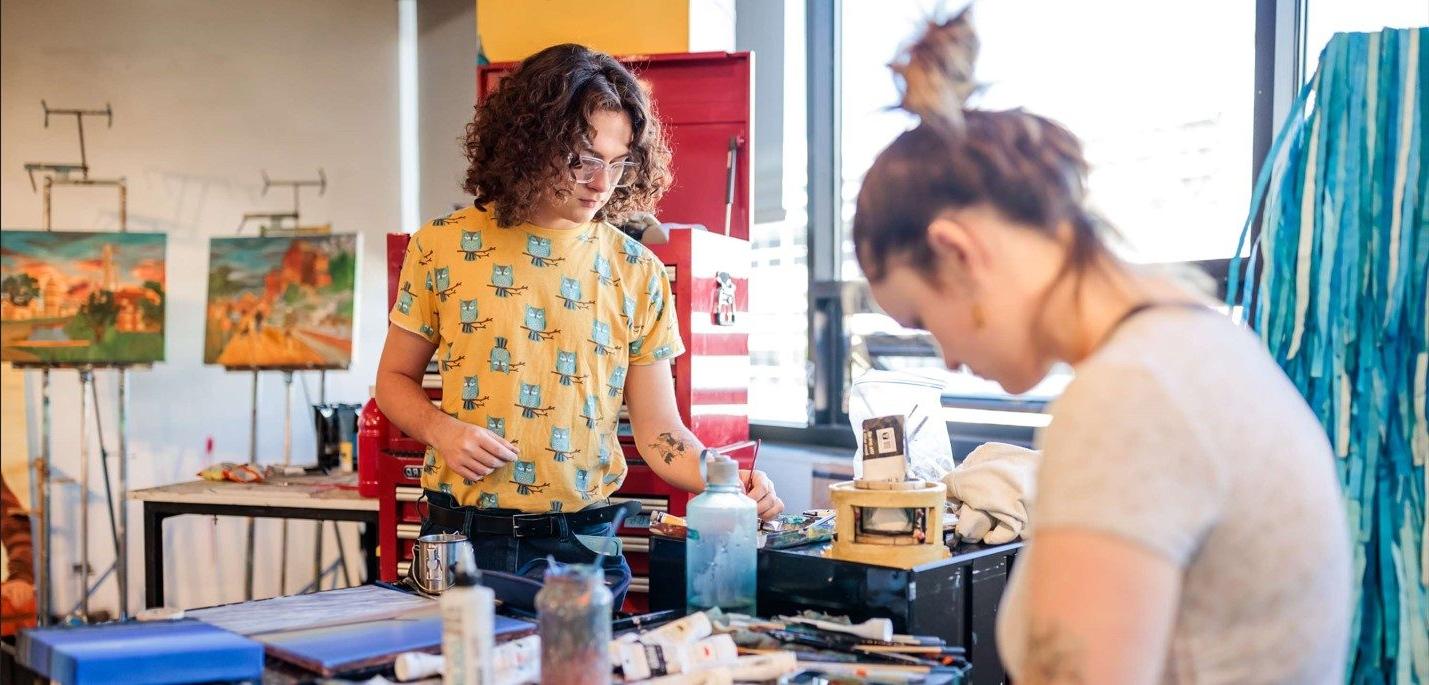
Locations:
641 661
180 651
687 630
512 663
230 471
795 530
668 525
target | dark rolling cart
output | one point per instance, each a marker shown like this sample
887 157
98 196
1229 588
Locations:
955 599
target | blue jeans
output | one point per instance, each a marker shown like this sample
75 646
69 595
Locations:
528 556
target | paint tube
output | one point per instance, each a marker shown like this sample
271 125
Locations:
713 676
518 661
868 673
639 661
418 665
687 630
764 667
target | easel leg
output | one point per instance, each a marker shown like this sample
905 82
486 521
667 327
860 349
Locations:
318 545
85 377
252 461
287 460
123 561
43 576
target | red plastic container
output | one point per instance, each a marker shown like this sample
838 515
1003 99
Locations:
371 432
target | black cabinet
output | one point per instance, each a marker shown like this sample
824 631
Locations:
955 599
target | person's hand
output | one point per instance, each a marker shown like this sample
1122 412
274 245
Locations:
472 451
19 595
760 489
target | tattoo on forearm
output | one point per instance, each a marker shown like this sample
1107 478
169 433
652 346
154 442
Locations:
1054 657
668 447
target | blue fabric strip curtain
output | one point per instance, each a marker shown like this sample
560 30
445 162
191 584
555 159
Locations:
1341 302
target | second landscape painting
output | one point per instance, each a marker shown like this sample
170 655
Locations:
281 302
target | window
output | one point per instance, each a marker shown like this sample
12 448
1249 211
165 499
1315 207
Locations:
1164 114
779 280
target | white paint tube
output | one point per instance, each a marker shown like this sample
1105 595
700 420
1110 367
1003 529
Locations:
869 673
639 661
687 630
764 667
418 665
515 662
518 661
714 676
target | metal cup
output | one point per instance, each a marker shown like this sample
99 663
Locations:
432 559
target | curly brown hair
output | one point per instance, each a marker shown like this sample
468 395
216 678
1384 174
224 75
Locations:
533 124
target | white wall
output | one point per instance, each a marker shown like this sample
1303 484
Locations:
205 95
446 95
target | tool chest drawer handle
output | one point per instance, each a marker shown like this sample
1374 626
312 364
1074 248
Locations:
640 585
409 531
632 544
647 504
408 494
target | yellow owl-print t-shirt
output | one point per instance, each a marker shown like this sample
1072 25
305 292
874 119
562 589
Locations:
536 330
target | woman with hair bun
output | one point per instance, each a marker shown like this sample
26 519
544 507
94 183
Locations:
1188 525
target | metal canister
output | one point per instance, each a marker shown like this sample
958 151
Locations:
574 617
432 559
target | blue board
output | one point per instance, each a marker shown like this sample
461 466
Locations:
183 651
336 649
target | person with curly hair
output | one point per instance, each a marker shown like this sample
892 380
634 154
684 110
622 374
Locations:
544 318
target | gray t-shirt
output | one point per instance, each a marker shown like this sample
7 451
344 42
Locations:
1182 436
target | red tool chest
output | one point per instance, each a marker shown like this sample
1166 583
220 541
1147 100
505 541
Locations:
705 102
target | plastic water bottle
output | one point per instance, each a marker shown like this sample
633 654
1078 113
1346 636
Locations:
722 541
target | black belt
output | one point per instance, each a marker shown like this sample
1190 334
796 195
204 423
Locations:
476 522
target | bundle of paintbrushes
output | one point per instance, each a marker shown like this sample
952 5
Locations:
795 530
824 639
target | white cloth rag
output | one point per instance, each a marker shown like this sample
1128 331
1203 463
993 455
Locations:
990 491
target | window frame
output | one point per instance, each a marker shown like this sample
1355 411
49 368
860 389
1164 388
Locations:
1278 61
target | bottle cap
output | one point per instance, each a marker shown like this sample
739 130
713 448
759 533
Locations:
720 469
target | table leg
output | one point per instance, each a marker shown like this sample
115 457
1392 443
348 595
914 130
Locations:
369 550
153 556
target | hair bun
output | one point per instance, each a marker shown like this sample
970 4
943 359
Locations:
937 72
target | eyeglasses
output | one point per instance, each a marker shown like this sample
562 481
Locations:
619 174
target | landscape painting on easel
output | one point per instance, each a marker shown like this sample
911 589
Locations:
281 302
74 298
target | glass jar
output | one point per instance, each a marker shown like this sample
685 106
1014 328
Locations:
574 620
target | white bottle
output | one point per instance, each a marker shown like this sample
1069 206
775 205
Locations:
721 543
467 625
